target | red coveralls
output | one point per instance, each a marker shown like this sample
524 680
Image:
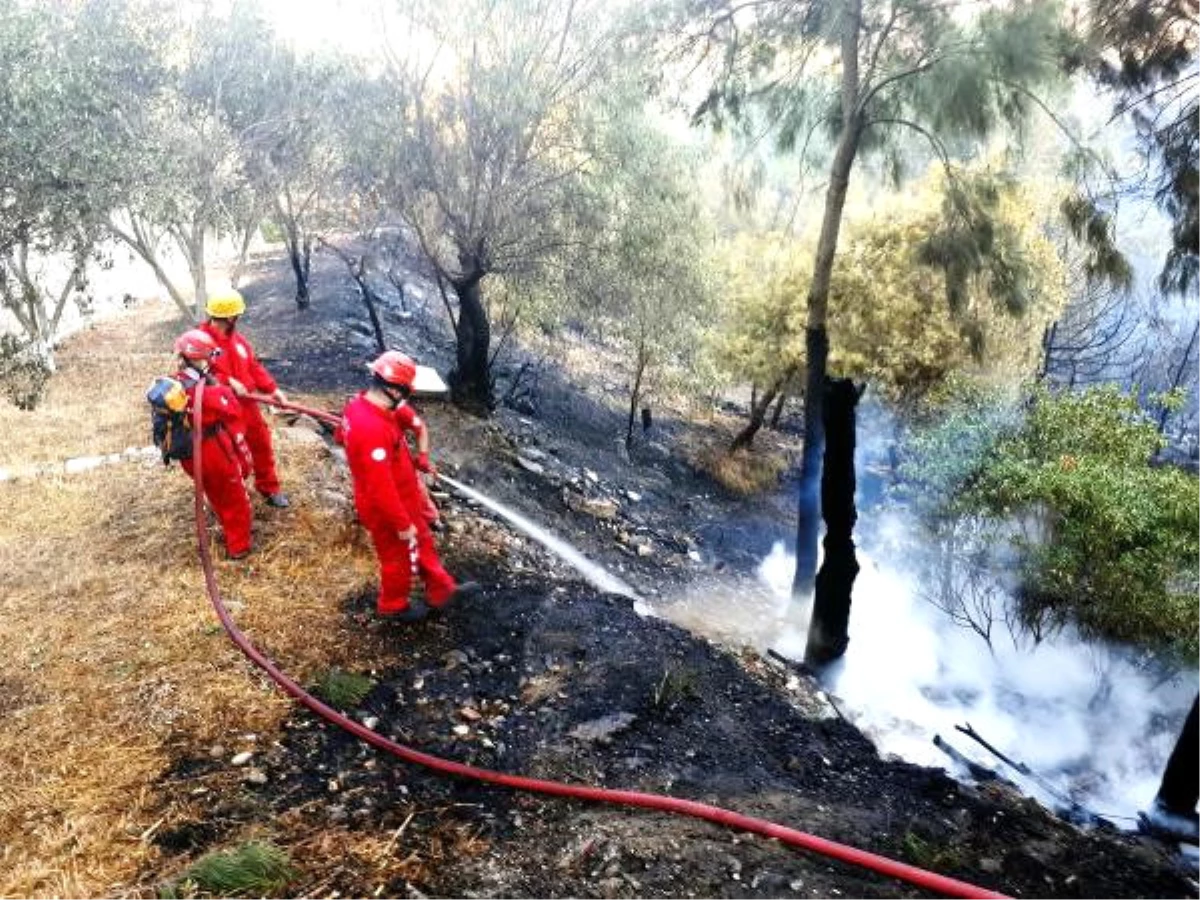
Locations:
410 421
223 458
237 360
387 496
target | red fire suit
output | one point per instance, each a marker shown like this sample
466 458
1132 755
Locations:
237 360
409 420
387 496
224 460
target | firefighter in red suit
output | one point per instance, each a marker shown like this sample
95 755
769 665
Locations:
238 367
388 496
224 456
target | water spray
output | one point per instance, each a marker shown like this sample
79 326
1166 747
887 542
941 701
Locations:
596 575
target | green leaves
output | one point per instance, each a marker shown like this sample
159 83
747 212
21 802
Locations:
1116 549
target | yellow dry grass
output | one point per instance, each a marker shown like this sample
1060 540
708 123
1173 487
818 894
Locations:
744 473
113 664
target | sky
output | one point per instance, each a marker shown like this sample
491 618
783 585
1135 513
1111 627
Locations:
328 24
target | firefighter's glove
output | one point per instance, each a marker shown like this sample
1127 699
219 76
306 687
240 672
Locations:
424 465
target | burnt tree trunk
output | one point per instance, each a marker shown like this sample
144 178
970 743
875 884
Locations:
368 298
1181 779
300 256
635 395
470 381
808 518
358 271
828 631
759 404
816 339
778 413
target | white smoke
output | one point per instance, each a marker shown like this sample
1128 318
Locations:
1082 716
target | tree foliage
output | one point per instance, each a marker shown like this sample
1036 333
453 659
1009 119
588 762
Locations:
1105 541
289 116
645 269
936 287
760 332
932 290
72 88
477 140
869 73
1144 51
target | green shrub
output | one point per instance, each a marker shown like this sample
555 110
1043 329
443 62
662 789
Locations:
1115 549
343 689
255 869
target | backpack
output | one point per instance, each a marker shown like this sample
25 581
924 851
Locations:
170 424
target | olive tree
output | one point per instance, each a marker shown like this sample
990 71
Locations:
188 169
72 89
477 139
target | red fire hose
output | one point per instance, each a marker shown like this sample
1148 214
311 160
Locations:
921 877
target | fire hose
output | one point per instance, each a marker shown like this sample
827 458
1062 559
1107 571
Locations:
920 877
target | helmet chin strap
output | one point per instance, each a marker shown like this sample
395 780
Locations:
396 395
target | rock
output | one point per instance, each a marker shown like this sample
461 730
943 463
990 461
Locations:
530 466
633 496
217 751
82 464
470 714
610 888
371 722
294 435
599 507
602 729
242 758
308 423
533 453
462 730
256 776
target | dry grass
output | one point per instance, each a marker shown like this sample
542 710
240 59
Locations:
113 666
744 473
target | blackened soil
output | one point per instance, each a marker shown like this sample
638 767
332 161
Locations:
556 681
543 676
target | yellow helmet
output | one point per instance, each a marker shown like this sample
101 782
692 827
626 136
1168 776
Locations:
225 304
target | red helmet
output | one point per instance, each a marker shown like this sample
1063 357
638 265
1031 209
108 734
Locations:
395 368
196 344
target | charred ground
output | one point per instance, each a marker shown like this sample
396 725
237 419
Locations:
544 676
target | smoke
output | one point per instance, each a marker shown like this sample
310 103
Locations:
1084 717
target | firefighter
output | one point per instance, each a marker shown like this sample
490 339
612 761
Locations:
1173 812
225 458
238 367
388 496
